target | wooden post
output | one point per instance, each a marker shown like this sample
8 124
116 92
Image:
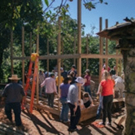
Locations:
11 49
117 60
74 48
30 43
47 54
59 60
23 56
106 60
87 51
62 50
101 51
37 51
79 42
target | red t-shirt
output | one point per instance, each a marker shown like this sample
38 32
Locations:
88 78
107 87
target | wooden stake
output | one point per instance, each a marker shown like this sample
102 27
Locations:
23 56
106 60
11 49
37 51
47 54
101 51
79 42
59 60
87 51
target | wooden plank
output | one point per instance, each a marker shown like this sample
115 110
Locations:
44 107
88 113
118 100
71 56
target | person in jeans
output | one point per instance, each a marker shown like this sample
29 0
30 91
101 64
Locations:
13 94
106 88
87 81
73 103
63 98
51 90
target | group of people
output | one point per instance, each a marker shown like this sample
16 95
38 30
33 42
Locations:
14 94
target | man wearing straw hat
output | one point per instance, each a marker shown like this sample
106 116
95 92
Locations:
13 94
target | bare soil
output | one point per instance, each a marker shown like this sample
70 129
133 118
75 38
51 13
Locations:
43 123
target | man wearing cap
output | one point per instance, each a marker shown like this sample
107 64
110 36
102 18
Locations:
13 94
50 84
73 68
72 100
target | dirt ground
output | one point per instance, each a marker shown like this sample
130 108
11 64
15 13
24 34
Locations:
43 123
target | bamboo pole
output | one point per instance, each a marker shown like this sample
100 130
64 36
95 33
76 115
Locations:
11 49
37 51
59 60
79 41
30 43
47 54
87 51
106 60
101 51
117 60
23 56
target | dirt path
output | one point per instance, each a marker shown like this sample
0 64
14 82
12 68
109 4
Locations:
43 123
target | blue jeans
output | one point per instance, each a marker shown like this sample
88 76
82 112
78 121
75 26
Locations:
64 110
87 89
100 107
17 111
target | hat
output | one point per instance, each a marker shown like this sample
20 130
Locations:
87 70
51 74
73 66
61 68
80 80
14 77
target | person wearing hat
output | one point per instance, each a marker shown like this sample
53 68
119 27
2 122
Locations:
87 78
13 94
50 84
72 100
73 69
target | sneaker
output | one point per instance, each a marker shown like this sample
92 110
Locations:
101 123
109 123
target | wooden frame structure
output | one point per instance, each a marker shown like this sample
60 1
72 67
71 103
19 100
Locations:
59 56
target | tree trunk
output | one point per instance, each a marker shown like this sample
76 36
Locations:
129 70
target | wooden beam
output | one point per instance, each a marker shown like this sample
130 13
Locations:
48 54
74 48
59 59
23 56
71 56
37 51
87 51
106 45
79 40
11 50
101 50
